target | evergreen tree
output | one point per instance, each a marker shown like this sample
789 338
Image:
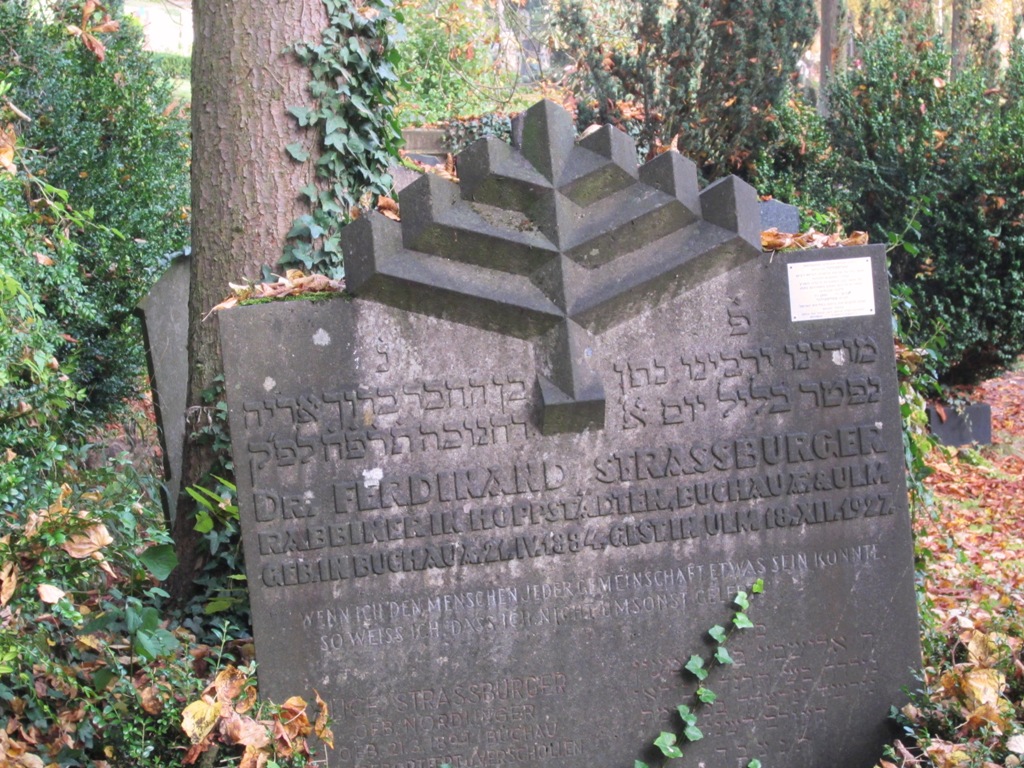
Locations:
704 74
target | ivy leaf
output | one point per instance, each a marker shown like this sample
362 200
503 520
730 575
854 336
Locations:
298 152
305 115
706 695
335 122
666 742
741 621
693 733
218 604
336 140
722 656
718 633
686 714
300 228
741 601
695 666
151 644
160 560
204 523
757 589
755 763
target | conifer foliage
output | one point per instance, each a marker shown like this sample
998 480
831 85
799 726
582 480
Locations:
703 75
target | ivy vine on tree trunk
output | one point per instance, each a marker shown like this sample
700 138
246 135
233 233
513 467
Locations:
252 194
352 84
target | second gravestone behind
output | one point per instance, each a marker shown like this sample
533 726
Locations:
493 504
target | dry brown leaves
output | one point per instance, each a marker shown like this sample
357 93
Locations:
773 240
221 716
446 171
388 207
975 574
89 28
293 283
88 541
8 141
976 541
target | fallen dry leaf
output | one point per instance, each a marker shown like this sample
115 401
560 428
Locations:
198 719
1016 744
8 141
89 542
228 684
320 727
8 581
445 171
239 729
389 208
152 703
982 686
254 757
49 593
773 240
292 283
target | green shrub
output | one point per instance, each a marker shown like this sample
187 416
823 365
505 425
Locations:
36 392
174 65
100 132
704 75
460 132
932 167
446 68
796 163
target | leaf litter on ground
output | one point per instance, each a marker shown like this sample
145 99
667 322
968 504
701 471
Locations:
972 552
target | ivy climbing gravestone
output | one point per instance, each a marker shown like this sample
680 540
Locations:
493 502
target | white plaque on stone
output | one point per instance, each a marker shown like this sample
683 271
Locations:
821 290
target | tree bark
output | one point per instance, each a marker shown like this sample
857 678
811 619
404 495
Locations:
960 37
508 43
244 191
830 16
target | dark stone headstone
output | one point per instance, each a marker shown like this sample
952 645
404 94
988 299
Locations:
492 504
402 176
164 313
781 216
971 424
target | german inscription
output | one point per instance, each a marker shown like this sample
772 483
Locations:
492 503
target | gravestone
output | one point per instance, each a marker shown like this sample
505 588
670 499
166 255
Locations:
493 502
955 425
164 315
781 216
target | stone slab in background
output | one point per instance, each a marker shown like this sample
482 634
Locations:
492 504
425 141
164 315
781 216
970 425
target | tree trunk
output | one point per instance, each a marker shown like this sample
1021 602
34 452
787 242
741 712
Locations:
244 191
960 42
508 42
830 16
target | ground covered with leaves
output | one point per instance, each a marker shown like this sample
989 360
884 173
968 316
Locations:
969 712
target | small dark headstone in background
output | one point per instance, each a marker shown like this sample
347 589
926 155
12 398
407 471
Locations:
781 216
971 424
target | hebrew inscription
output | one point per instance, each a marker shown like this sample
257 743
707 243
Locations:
492 503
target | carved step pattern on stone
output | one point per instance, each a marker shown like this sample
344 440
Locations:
553 240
